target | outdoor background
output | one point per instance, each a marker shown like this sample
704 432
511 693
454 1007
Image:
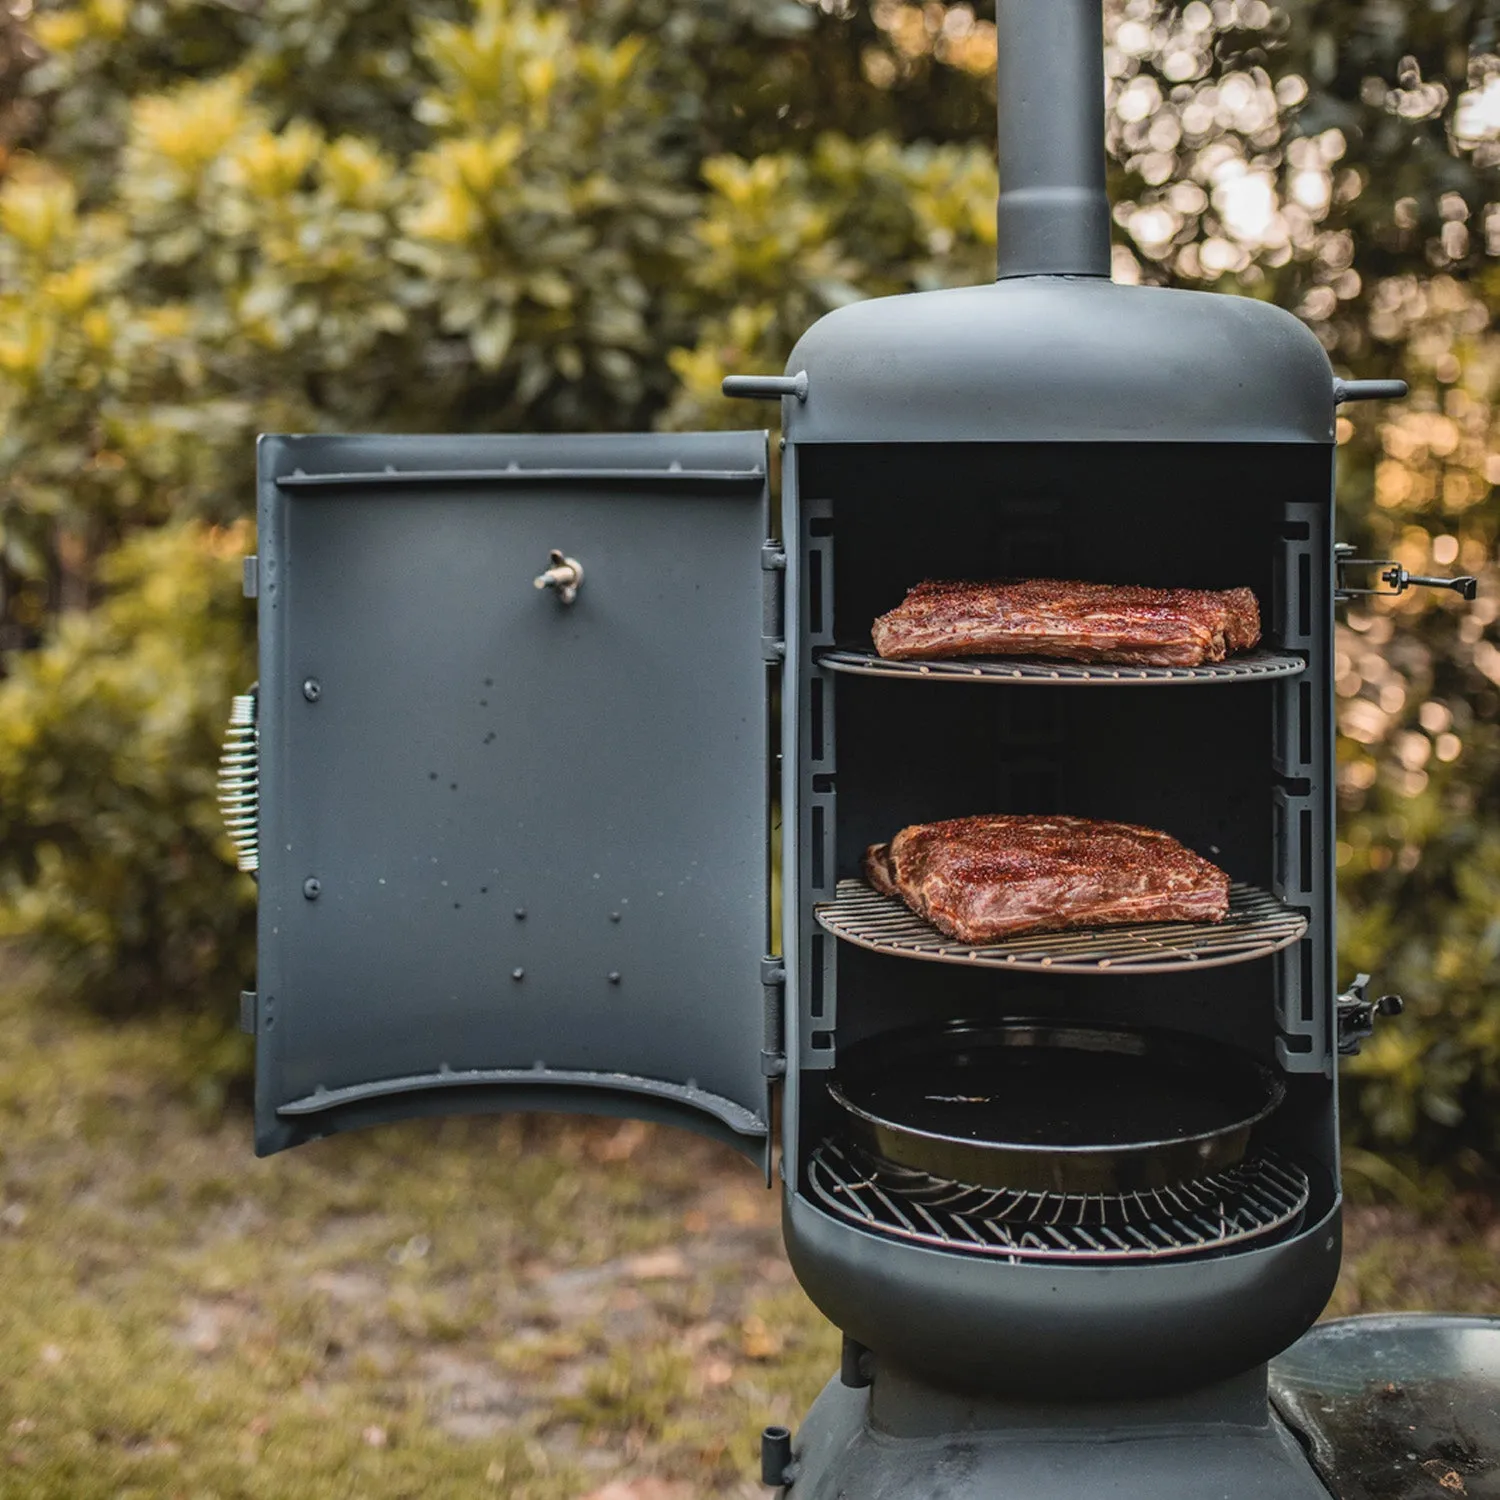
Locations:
219 217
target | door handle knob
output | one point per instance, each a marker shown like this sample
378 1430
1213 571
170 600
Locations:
565 574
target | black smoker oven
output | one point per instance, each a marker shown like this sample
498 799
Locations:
509 772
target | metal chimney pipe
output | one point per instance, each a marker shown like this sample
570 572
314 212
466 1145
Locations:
1053 213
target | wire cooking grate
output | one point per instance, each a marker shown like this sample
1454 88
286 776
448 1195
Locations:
1250 1201
1257 925
1250 666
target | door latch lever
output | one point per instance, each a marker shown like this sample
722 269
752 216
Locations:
565 574
1357 1014
1396 578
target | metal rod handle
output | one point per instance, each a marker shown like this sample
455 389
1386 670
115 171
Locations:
1368 390
1397 579
1466 586
766 387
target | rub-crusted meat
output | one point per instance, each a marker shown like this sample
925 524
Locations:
983 879
1071 621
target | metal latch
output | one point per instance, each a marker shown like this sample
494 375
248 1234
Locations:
565 574
1393 575
1357 1014
773 601
773 1050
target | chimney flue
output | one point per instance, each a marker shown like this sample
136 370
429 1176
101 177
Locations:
1053 212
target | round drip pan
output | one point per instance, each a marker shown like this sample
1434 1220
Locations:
1043 1106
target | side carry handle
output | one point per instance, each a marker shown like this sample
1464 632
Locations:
766 387
1368 390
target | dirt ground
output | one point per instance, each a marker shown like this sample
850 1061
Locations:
527 1307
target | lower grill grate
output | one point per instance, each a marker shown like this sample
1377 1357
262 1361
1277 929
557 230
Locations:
1251 1201
1249 666
1257 925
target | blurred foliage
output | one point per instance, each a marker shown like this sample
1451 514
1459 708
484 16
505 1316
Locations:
785 238
19 53
112 850
474 214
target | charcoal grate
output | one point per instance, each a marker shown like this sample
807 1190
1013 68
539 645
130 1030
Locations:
1250 666
1257 925
1250 1201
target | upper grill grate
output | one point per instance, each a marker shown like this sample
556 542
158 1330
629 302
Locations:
1244 1203
1257 925
1252 666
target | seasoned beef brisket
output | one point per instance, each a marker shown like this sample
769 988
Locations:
983 879
1071 621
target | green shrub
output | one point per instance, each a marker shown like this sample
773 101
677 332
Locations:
114 865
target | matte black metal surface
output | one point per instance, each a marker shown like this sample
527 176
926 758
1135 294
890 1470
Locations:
1251 1200
1066 1332
1249 666
1403 1407
1046 359
900 1440
513 851
1257 926
1054 214
1054 1108
1368 390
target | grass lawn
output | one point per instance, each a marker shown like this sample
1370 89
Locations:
528 1307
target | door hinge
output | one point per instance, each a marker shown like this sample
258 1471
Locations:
250 577
777 1466
773 1046
773 597
249 1012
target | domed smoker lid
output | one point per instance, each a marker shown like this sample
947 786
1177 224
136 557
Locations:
1061 359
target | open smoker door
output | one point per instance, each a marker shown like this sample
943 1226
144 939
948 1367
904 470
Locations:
513 850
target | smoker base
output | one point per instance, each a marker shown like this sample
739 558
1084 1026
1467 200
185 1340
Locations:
1066 1333
900 1440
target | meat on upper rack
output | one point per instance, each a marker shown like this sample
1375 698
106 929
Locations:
1088 622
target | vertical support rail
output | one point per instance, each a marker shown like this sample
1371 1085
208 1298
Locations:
1301 608
819 834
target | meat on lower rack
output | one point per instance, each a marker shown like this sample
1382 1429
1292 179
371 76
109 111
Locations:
982 879
1088 622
